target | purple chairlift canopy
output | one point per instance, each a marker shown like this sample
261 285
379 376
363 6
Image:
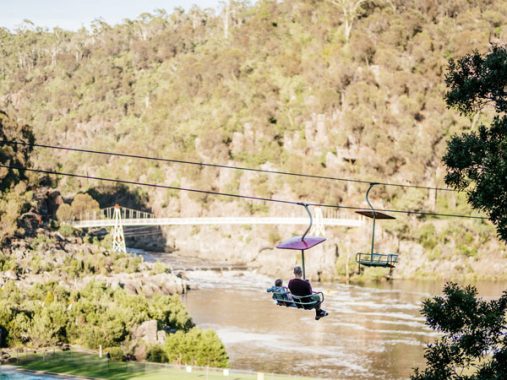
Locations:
378 215
297 244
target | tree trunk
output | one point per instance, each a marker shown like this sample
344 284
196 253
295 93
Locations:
227 14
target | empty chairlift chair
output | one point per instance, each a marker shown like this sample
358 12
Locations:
375 259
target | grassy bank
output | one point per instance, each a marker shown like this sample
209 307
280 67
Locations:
91 366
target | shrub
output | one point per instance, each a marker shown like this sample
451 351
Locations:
196 347
115 353
84 204
274 237
66 230
64 213
156 354
428 236
159 268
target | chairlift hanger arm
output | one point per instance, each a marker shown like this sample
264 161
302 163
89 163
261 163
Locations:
368 199
305 205
373 214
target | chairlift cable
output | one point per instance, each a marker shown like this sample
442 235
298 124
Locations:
204 164
239 196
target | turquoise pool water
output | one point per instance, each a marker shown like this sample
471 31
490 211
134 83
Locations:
12 374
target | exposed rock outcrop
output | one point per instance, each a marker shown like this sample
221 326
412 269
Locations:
52 257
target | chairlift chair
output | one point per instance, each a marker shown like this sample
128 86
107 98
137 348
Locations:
300 243
375 259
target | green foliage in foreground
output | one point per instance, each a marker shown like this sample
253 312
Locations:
197 347
474 341
477 160
48 314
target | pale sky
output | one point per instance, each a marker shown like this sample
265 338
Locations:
72 14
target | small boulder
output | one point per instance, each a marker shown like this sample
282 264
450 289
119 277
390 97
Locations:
147 331
161 335
10 275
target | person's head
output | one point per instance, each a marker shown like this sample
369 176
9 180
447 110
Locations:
278 282
298 272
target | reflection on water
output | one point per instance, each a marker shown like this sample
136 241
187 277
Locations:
372 332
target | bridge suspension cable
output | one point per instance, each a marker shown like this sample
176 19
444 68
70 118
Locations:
204 164
239 196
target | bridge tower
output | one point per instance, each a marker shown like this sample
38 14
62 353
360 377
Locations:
117 232
318 223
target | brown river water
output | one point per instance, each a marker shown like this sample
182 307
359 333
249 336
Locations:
373 331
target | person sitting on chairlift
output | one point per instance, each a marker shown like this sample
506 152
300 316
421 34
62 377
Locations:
281 294
300 287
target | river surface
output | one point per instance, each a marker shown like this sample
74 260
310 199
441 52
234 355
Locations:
372 332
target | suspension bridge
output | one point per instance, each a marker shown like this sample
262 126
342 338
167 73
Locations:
117 217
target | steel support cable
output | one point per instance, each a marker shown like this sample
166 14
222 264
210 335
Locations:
126 155
239 196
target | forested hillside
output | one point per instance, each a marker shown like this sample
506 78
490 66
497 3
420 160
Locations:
309 86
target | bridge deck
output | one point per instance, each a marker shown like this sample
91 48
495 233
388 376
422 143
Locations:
213 221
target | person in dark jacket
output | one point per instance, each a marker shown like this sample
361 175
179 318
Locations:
301 288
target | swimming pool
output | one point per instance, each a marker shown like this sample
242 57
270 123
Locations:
10 373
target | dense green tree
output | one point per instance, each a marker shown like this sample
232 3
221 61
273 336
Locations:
14 199
13 203
477 160
5 318
15 155
170 311
49 324
84 205
477 80
473 345
196 347
64 213
19 328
